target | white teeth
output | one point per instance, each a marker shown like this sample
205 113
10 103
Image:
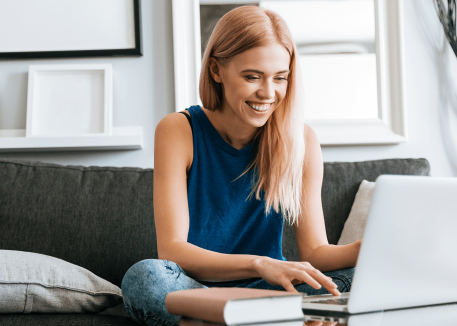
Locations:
260 107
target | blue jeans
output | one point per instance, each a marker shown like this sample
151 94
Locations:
146 284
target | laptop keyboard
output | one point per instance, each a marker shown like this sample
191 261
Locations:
341 301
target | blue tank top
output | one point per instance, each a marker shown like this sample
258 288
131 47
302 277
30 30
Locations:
221 218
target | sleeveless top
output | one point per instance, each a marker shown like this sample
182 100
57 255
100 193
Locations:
221 218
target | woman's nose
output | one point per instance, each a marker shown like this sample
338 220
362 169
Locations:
266 90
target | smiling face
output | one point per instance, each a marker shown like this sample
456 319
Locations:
254 82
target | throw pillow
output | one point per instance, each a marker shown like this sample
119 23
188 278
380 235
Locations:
35 283
355 224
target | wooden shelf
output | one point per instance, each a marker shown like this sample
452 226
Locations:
122 138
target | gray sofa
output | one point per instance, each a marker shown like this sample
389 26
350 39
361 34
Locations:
101 218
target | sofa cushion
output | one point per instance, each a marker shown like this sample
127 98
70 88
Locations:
31 282
99 218
355 224
65 319
339 187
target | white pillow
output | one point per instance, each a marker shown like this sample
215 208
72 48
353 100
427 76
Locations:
31 282
355 224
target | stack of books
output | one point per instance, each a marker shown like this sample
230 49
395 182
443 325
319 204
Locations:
235 306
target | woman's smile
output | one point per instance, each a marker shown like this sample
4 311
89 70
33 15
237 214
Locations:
259 107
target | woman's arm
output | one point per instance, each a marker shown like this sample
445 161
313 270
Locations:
311 236
173 154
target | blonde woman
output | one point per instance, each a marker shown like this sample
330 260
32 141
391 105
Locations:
229 174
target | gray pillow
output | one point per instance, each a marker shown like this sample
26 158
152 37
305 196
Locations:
31 282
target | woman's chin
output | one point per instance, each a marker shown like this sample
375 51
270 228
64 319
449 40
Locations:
258 123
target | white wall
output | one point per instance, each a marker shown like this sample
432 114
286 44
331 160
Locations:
142 87
144 93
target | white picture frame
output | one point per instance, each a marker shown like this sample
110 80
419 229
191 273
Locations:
388 128
70 100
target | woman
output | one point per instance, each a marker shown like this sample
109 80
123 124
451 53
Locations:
229 173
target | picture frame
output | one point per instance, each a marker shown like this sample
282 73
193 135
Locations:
73 28
73 100
388 128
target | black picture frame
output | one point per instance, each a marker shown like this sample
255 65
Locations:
136 51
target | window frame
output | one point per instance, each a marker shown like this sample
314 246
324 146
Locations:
389 128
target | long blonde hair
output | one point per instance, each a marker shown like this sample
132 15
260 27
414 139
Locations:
279 161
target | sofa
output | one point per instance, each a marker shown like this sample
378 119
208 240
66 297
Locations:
102 219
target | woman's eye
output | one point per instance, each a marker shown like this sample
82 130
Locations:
280 78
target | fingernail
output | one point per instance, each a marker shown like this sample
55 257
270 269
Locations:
334 285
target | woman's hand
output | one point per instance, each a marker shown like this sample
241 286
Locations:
320 323
288 273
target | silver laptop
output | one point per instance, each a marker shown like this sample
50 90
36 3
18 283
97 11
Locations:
408 256
443 315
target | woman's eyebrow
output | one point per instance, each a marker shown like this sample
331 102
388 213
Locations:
261 72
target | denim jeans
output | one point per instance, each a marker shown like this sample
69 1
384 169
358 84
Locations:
146 284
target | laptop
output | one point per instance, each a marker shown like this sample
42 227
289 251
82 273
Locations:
408 256
425 316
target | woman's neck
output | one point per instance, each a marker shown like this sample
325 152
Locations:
229 127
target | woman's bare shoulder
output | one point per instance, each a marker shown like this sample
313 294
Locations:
173 120
175 125
173 140
310 134
313 152
311 140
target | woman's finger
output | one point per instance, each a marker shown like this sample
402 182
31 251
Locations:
305 277
322 279
313 323
325 281
289 287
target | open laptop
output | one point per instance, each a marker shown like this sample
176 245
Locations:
408 256
444 315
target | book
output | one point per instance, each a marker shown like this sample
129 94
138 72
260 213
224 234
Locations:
234 306
184 321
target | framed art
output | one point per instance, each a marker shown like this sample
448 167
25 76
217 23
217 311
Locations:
69 100
381 54
31 29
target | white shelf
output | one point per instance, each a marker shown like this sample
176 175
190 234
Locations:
122 138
